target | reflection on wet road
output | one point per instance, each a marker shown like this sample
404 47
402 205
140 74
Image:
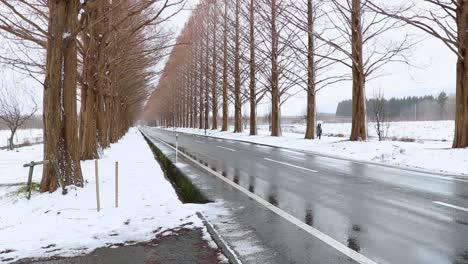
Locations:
388 215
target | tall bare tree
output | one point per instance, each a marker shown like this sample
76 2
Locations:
275 98
446 21
363 31
252 72
224 126
214 66
237 73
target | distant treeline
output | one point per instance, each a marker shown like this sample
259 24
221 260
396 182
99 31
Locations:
408 108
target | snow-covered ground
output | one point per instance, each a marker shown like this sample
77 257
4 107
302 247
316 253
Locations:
53 224
432 155
11 164
21 136
418 130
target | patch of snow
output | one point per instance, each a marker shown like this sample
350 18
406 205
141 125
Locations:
54 224
11 164
21 136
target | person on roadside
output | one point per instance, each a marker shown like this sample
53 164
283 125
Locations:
319 131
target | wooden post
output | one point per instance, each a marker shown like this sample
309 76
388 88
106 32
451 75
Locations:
116 184
31 169
98 202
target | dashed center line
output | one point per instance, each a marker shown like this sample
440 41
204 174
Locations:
356 256
226 148
451 206
291 165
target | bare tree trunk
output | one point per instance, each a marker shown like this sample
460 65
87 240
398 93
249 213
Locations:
225 70
252 85
237 84
275 114
207 77
11 146
88 125
461 114
195 101
101 121
190 102
109 113
202 104
310 123
183 97
60 138
72 173
103 88
358 130
115 109
52 93
214 87
89 112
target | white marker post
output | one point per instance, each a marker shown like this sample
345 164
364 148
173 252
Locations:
176 147
116 184
96 170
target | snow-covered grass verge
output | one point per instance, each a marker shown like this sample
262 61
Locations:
435 156
22 136
66 225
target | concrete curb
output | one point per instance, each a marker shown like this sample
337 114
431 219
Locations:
227 251
416 170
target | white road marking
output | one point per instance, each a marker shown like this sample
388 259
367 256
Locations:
201 142
356 256
451 206
226 148
294 157
290 165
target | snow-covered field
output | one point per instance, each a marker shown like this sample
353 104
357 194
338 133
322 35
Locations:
21 136
434 155
11 164
418 130
53 224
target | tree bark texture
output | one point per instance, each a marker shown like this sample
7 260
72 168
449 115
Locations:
358 130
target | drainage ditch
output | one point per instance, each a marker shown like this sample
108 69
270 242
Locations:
186 191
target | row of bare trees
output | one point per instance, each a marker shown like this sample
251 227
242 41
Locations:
270 49
97 71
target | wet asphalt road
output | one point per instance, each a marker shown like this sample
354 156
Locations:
388 215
